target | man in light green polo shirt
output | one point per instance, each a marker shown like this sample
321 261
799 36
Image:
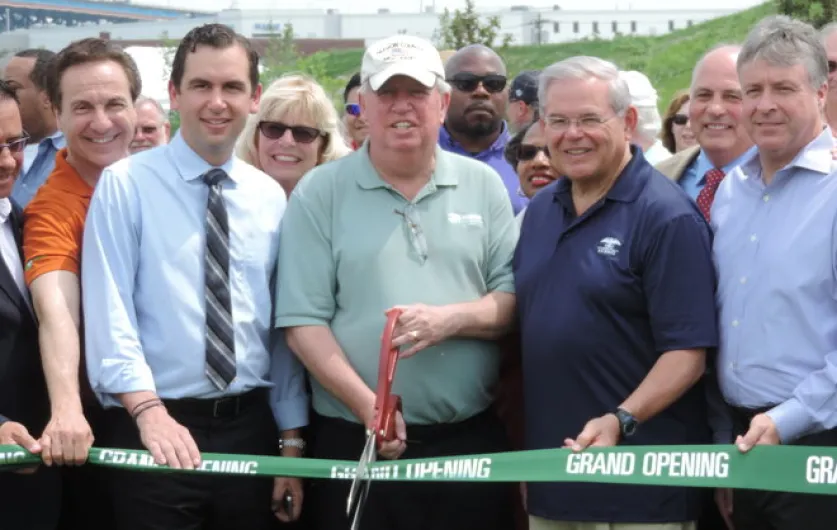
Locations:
401 222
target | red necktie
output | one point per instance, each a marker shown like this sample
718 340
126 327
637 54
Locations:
713 179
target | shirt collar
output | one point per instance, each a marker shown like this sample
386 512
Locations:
368 177
5 209
65 177
704 165
499 144
57 140
816 157
629 183
189 164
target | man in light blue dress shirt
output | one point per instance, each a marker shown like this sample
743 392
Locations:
26 74
150 333
774 219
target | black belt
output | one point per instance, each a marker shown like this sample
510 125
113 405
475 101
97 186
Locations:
223 407
743 415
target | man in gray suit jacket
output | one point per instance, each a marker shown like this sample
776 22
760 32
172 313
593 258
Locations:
715 117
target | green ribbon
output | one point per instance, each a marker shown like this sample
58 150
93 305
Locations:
797 469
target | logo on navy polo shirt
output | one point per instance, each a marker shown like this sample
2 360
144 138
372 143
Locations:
609 246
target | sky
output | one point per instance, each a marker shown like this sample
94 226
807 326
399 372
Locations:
371 6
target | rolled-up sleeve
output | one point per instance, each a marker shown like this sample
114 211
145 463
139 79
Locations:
110 256
288 396
503 232
306 281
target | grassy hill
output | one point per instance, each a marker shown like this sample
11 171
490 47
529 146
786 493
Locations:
667 60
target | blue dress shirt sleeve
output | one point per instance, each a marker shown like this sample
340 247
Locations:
288 396
813 406
110 256
679 283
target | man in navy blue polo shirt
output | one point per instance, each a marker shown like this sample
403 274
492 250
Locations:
615 286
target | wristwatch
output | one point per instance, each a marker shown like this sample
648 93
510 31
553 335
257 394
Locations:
627 422
299 443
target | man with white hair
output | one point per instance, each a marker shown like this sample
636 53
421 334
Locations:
647 132
402 223
153 127
629 366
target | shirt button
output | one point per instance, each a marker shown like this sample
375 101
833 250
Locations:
743 279
766 198
734 323
754 238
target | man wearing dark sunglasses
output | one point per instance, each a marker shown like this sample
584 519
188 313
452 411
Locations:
475 125
829 40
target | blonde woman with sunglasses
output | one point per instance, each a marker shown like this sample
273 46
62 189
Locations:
295 130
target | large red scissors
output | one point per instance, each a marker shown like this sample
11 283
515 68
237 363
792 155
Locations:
383 426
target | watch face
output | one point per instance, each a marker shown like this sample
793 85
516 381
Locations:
627 423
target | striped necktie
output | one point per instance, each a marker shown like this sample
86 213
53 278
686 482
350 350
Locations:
220 334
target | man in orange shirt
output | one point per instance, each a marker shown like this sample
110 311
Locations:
92 88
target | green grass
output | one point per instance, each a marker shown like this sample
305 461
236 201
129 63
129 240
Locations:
667 60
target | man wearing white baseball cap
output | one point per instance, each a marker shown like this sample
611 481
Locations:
649 123
402 223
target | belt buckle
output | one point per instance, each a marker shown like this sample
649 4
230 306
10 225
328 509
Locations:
219 406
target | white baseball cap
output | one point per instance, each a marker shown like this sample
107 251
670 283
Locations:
640 87
401 55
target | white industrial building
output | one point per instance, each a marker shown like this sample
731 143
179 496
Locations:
525 25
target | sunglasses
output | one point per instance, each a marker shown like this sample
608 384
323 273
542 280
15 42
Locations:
679 119
353 109
301 134
492 83
526 152
832 66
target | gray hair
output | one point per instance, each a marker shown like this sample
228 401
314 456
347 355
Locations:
782 41
142 100
441 85
584 67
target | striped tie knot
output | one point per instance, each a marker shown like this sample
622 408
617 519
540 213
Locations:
214 176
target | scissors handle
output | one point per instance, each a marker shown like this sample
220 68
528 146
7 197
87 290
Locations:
387 404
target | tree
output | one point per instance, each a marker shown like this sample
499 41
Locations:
281 52
816 12
169 49
462 28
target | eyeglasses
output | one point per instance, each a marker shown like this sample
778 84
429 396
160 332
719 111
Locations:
679 119
16 146
832 66
353 109
417 239
492 83
301 134
585 123
526 152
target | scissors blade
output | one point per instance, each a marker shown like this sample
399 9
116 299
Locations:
360 484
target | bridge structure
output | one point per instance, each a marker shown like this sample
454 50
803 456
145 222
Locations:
24 14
